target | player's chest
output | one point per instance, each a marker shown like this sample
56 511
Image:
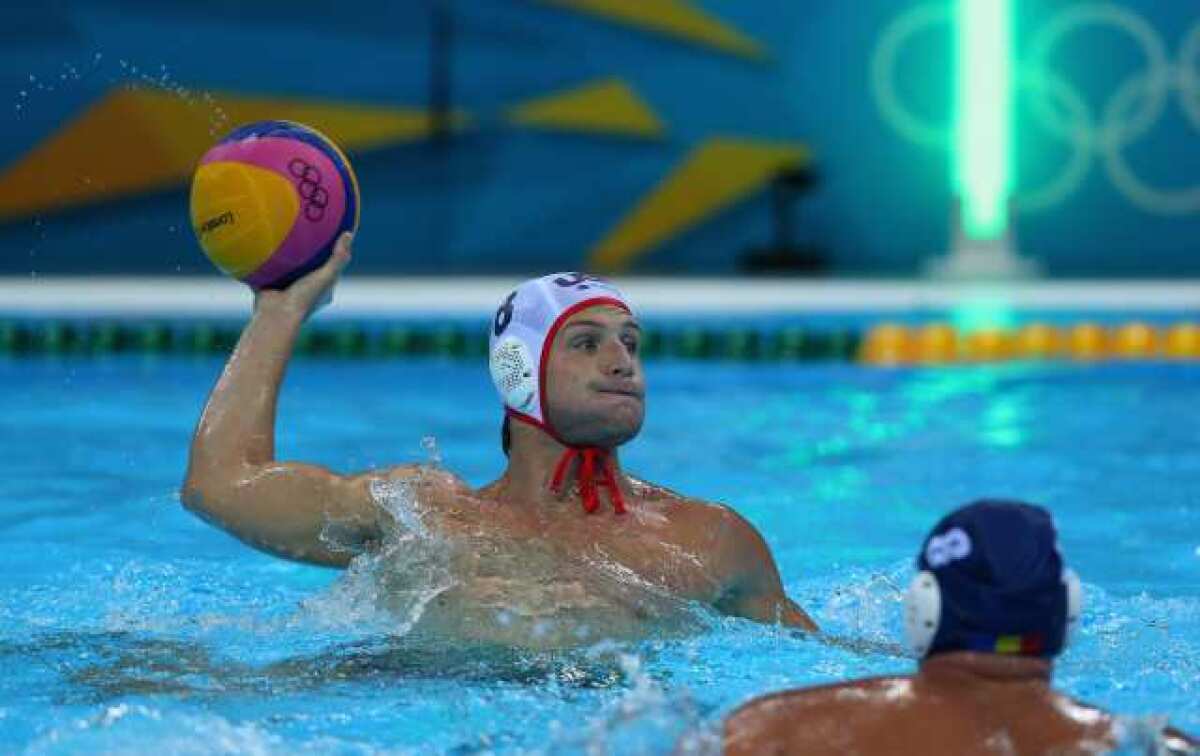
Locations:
671 554
660 558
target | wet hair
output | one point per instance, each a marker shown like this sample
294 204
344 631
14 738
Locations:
505 435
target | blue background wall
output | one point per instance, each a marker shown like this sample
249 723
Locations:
505 199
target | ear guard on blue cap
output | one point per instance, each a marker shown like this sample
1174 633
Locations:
923 609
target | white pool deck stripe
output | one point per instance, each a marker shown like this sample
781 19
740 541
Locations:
447 296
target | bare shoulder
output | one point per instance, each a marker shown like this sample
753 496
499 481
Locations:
1078 710
435 488
1086 720
784 704
677 506
734 545
426 476
737 538
768 724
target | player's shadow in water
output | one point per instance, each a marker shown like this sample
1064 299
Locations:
95 667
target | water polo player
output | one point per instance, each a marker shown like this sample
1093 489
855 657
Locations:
563 542
991 606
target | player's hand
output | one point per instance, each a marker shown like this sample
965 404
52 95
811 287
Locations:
312 291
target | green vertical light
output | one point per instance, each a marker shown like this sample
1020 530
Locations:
985 310
983 135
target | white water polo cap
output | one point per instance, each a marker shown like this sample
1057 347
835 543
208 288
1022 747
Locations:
523 331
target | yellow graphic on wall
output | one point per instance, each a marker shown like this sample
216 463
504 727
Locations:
715 175
607 106
674 18
136 140
144 139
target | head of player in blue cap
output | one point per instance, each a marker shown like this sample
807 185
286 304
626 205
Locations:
991 579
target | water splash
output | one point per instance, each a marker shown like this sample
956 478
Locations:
68 73
646 719
126 74
128 728
389 588
1144 736
399 500
144 597
433 455
865 605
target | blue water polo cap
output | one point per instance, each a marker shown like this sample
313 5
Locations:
1001 583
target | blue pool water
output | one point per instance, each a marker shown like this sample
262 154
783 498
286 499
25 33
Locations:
127 625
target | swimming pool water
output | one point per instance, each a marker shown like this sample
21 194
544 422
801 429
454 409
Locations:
128 625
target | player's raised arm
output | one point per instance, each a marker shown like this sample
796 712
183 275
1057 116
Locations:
233 478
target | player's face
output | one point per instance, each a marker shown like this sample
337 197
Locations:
595 392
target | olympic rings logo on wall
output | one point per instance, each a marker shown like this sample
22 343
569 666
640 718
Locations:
315 196
1060 109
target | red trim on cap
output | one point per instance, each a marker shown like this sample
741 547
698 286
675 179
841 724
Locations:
531 420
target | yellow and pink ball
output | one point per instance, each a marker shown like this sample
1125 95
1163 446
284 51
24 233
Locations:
269 201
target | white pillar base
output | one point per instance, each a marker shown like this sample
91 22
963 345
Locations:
983 260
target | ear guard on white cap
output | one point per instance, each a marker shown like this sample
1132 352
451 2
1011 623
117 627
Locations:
923 609
513 369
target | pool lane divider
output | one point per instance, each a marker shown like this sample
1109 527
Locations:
80 337
893 344
885 344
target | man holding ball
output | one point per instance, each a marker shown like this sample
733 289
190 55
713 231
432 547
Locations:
563 548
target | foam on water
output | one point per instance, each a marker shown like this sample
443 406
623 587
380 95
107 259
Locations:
654 683
126 729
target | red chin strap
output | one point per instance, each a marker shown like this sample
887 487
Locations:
590 457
